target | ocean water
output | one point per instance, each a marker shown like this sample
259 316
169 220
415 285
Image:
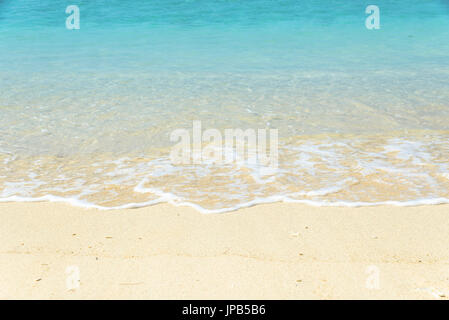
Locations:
362 115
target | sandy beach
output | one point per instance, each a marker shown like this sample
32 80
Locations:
275 251
226 150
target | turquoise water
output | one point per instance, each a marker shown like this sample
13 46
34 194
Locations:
137 70
222 36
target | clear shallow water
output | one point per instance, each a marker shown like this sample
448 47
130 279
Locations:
86 114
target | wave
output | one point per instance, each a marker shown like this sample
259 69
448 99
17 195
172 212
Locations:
330 171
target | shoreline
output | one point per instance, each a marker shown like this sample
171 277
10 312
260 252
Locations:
269 251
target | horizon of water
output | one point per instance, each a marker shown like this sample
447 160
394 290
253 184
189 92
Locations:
362 115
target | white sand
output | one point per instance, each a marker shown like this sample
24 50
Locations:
276 251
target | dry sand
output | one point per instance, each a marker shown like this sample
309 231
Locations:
276 251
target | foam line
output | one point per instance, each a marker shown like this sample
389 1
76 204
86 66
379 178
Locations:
173 200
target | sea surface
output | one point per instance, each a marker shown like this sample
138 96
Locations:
362 115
